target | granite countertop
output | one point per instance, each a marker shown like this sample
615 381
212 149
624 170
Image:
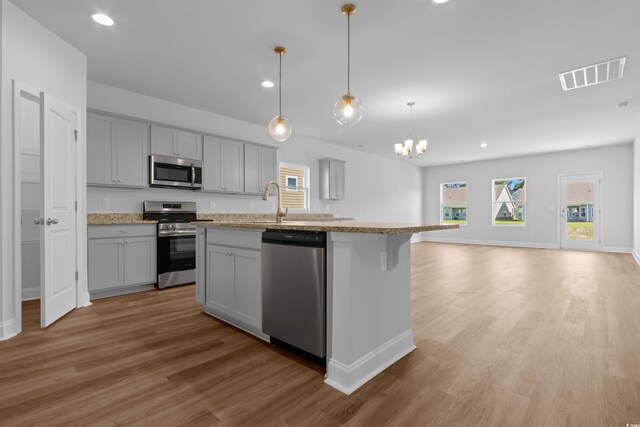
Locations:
332 226
114 218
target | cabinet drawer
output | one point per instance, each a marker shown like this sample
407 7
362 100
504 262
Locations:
250 239
121 230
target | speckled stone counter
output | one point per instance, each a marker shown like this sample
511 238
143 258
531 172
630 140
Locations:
332 226
107 218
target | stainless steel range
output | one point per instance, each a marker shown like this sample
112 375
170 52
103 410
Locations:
176 241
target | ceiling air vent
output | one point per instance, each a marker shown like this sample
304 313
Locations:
593 74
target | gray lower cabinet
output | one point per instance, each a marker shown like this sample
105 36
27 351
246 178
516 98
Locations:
121 258
260 167
117 152
233 279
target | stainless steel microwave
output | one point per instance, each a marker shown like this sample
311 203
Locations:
173 172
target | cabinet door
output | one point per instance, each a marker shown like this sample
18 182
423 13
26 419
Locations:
101 150
252 181
248 287
268 168
340 180
336 180
106 264
212 164
133 153
140 260
233 166
163 141
188 145
220 279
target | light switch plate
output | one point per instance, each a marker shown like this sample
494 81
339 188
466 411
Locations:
252 206
105 202
212 205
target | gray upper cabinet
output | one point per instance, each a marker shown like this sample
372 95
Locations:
175 143
332 179
223 167
117 151
260 167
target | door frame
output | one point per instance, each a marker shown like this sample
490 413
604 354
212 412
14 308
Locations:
600 209
82 291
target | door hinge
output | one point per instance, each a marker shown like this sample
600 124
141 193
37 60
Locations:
77 276
75 135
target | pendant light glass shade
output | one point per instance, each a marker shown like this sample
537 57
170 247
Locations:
280 128
348 110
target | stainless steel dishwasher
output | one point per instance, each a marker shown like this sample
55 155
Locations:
294 290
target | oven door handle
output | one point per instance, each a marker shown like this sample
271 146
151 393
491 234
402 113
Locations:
176 233
193 175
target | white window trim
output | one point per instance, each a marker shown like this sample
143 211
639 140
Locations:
306 187
466 206
493 202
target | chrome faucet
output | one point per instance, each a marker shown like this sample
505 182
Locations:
279 213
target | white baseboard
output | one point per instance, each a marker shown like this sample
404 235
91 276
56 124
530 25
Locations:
617 249
636 256
7 329
348 379
30 293
490 243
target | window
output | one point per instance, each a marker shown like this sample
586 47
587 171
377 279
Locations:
294 182
453 203
509 200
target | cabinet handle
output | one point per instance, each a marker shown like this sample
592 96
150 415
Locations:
123 231
126 242
178 154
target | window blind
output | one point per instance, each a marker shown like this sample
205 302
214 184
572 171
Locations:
293 198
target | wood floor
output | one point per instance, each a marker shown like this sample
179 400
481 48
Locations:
505 337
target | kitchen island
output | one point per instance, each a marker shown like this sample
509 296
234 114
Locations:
368 284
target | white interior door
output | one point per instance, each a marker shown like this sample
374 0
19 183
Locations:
580 221
58 125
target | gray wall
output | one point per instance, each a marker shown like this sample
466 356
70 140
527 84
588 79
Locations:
377 188
541 171
636 196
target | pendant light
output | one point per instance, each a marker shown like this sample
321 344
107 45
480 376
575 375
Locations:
407 150
348 108
279 126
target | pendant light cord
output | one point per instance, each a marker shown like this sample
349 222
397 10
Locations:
411 122
349 54
280 88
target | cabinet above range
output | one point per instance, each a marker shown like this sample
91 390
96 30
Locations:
118 150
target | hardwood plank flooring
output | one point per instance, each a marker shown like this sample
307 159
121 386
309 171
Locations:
505 336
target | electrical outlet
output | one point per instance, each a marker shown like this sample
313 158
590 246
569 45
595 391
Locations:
105 202
252 206
327 208
212 205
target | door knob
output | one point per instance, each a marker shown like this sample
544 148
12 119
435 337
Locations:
38 221
52 221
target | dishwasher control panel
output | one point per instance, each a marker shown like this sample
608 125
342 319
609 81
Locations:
295 237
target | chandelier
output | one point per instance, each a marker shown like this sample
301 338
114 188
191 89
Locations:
408 150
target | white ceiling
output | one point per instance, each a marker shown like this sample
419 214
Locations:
478 70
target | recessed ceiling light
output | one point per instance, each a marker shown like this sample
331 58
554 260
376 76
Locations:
439 1
623 104
102 19
267 83
484 145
